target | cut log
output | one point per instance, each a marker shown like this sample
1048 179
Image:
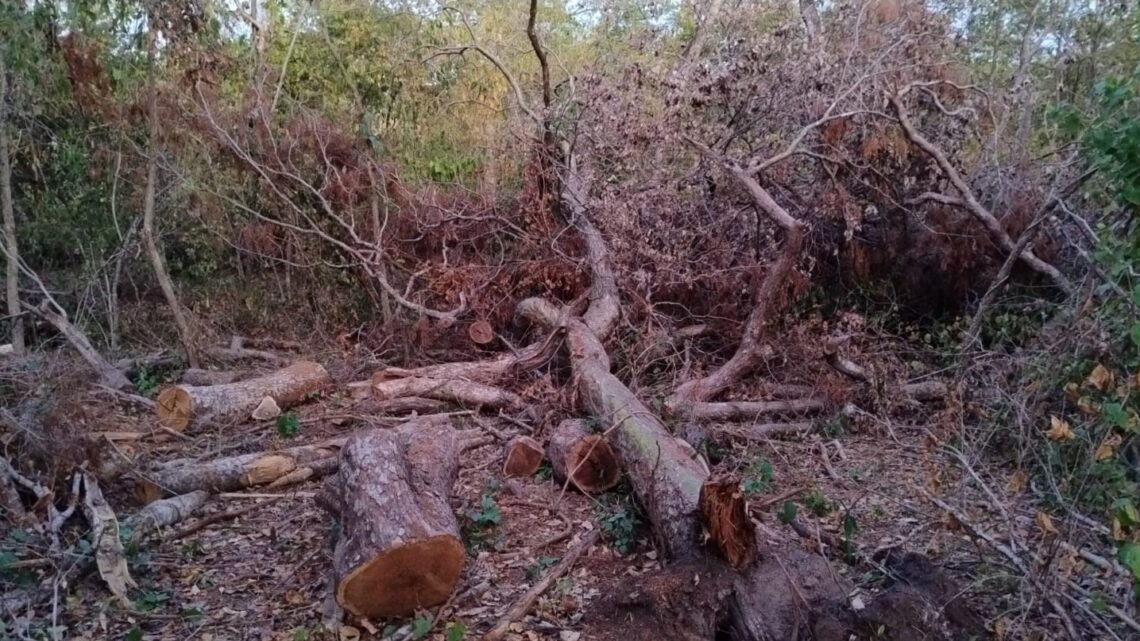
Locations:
237 472
725 516
524 455
736 410
399 549
666 480
196 376
164 513
456 390
926 390
587 460
180 406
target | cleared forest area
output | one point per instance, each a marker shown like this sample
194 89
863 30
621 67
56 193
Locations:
575 320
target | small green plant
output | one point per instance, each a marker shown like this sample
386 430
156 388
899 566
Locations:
456 631
818 503
847 538
544 472
151 599
618 519
421 625
480 525
544 563
488 514
758 477
145 381
787 512
288 425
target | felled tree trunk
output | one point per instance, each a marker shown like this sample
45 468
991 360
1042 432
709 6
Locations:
180 406
399 549
164 513
587 460
456 390
247 470
666 479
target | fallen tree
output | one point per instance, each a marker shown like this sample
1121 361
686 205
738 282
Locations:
666 479
399 549
182 406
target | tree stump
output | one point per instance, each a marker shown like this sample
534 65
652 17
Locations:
524 456
399 548
724 514
587 460
180 406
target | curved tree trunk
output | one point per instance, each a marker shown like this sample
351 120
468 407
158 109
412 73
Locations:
399 548
181 406
157 262
767 298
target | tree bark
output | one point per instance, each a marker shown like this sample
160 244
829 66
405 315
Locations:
11 246
164 513
181 406
157 262
237 472
399 548
813 26
194 376
585 459
665 478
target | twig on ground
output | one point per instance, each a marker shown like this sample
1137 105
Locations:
524 603
207 521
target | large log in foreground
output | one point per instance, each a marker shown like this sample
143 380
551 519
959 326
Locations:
180 406
585 459
399 548
666 479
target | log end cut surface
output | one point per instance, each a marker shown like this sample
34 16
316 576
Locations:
403 579
174 408
524 456
593 465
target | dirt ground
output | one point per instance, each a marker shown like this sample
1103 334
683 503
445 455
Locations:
257 564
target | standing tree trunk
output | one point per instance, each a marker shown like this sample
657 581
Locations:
157 262
11 248
399 549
